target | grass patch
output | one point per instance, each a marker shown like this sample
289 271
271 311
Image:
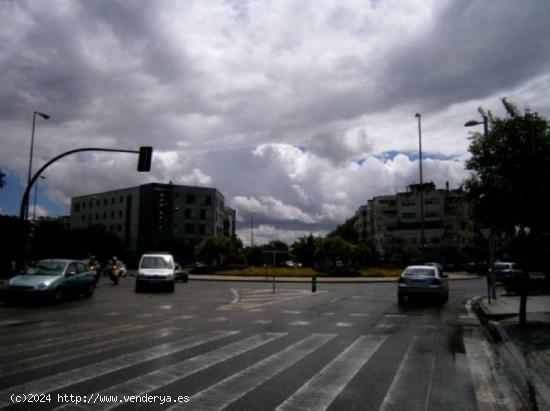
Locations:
381 272
305 272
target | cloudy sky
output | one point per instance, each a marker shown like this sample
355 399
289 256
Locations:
296 110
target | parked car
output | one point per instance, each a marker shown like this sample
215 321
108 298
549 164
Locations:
180 274
439 266
157 270
505 271
51 279
422 281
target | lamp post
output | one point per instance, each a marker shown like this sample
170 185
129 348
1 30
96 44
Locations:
252 230
488 234
35 195
45 117
422 233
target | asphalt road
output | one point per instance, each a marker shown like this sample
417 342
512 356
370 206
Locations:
239 346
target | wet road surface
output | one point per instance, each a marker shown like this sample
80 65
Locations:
238 346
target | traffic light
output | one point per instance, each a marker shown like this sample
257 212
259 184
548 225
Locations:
144 160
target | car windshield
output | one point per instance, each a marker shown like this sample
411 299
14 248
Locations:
156 262
502 266
47 268
419 272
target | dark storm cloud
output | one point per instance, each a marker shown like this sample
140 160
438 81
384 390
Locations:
474 50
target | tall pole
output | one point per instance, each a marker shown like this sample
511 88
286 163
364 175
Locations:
422 234
252 230
35 195
45 117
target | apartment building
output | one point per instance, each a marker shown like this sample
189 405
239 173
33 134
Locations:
139 214
395 220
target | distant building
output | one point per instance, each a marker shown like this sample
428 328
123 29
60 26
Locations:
138 214
395 220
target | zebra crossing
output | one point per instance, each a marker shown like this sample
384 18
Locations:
160 358
254 299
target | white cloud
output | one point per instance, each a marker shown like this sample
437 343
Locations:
299 112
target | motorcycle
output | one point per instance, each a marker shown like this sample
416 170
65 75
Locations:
114 274
95 269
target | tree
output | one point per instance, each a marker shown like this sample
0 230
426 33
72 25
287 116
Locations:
346 231
333 249
303 250
510 184
220 250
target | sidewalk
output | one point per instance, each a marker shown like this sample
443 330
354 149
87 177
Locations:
525 350
214 277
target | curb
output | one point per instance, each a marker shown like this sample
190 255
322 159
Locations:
535 394
306 280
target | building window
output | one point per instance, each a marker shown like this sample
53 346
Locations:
203 215
91 204
432 214
121 200
112 214
120 227
189 228
97 203
190 199
105 202
83 205
104 215
208 200
202 229
83 217
113 200
97 216
188 213
409 215
409 202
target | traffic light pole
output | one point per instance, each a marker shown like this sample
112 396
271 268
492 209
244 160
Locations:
144 164
25 199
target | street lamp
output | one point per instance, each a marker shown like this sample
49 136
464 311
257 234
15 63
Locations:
35 195
45 117
422 234
252 230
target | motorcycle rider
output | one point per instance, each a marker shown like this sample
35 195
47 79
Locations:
94 266
111 264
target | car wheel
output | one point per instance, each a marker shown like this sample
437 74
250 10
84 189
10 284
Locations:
89 291
171 287
184 279
58 295
401 299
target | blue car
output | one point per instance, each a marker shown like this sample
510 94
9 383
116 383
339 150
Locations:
51 279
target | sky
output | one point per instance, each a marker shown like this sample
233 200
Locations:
298 111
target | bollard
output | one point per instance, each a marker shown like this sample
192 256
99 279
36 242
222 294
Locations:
313 284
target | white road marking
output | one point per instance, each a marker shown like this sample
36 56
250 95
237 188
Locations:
359 315
291 312
33 362
77 375
225 392
263 322
412 382
328 313
343 324
167 375
491 392
323 388
81 335
300 323
219 320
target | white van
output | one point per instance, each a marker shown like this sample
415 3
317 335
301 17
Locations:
156 269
